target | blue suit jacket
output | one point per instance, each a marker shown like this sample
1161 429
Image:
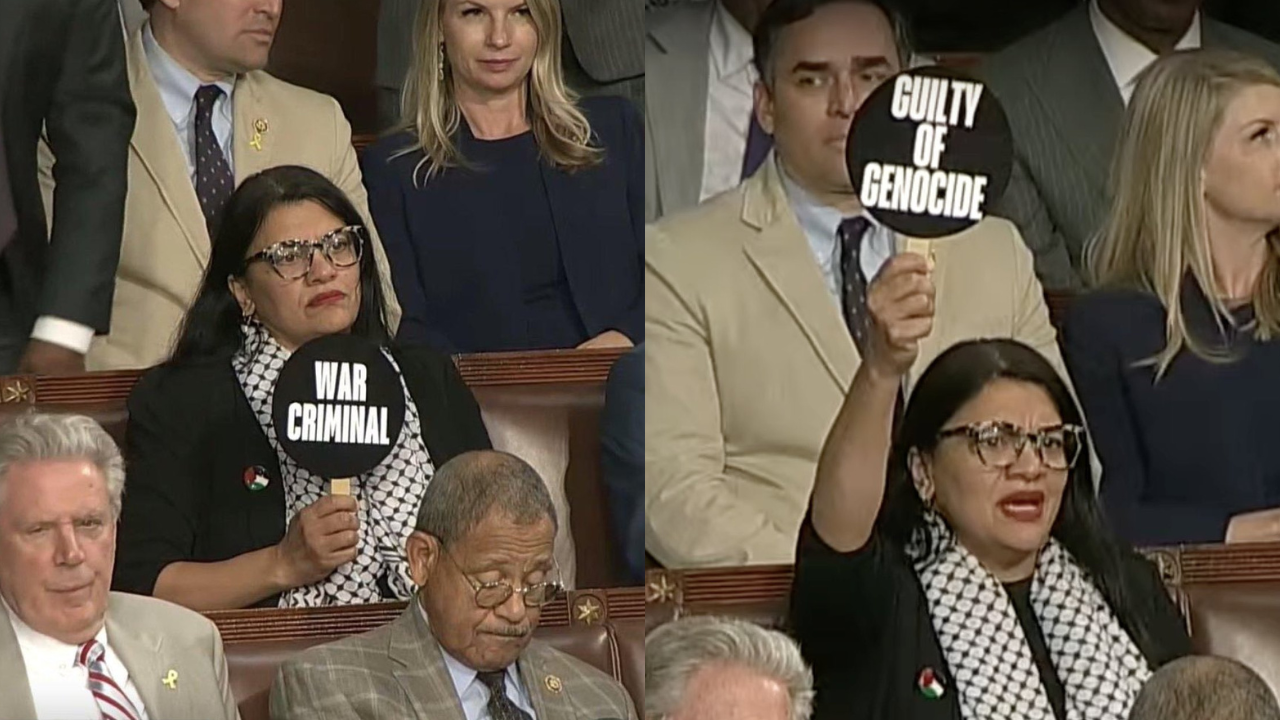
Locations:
457 293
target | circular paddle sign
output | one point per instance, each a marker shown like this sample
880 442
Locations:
930 152
339 406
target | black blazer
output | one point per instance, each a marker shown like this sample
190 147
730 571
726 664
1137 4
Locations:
457 289
863 623
191 437
62 66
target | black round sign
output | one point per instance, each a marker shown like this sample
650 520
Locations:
338 407
930 152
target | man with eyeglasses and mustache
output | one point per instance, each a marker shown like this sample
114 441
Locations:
209 115
463 649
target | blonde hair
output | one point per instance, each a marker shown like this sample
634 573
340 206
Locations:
1156 230
429 105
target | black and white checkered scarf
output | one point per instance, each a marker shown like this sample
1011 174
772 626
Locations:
992 668
387 496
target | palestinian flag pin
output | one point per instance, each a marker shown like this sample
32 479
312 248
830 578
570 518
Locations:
255 478
930 684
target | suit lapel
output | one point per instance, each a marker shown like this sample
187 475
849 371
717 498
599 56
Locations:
548 704
780 252
1086 112
157 146
679 103
142 655
420 669
253 140
16 702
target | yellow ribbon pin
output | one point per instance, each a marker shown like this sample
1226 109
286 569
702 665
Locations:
171 680
259 127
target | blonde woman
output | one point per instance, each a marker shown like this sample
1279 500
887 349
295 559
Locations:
512 211
1176 358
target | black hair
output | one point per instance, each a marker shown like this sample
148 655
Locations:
211 327
952 380
781 13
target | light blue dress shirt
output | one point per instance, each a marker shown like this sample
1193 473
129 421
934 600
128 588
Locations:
821 223
473 694
178 88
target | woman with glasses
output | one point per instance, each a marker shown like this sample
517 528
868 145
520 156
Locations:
1175 354
962 569
217 516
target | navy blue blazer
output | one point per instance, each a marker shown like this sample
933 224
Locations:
1180 456
459 294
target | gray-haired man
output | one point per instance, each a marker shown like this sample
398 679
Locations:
462 650
70 648
709 668
1205 688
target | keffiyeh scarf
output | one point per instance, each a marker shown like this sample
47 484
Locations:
994 673
387 496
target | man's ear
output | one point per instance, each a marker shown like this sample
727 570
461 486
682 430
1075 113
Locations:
763 107
423 552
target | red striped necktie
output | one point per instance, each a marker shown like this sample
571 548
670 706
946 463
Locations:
112 701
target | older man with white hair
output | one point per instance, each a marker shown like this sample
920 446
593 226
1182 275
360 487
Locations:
69 648
709 668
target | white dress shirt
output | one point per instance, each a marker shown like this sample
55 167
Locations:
821 225
1127 57
474 695
178 88
59 687
730 79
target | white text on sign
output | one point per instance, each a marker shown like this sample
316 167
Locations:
938 104
343 382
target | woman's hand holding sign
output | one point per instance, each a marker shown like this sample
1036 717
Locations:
901 302
321 537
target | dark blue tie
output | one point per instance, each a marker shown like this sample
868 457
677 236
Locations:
500 706
853 292
214 181
759 143
853 283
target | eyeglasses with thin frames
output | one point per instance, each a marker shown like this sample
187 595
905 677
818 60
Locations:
493 594
291 259
999 444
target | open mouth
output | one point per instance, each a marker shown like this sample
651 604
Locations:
1024 506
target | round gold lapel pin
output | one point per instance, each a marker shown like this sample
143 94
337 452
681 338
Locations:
553 683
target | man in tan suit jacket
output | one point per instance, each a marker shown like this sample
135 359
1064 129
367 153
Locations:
748 356
58 620
166 242
481 557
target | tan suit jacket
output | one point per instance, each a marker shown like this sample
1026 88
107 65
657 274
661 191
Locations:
166 245
398 671
748 359
152 638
